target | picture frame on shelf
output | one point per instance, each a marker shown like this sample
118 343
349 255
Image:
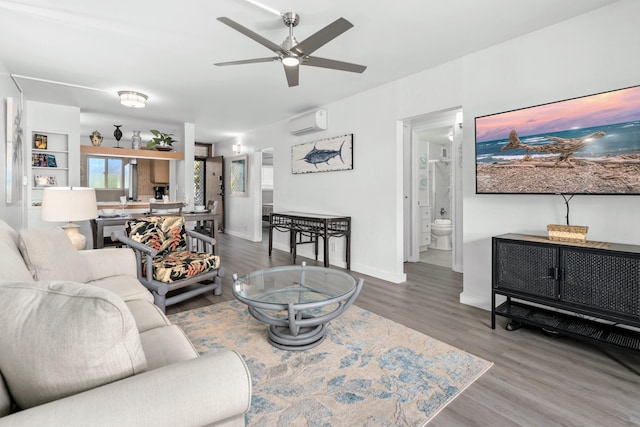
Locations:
45 181
39 141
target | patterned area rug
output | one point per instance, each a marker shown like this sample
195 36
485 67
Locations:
369 371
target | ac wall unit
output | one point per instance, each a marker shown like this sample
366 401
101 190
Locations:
308 123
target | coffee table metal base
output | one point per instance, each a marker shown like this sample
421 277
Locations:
290 334
298 313
282 338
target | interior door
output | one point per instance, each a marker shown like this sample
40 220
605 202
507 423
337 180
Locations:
214 184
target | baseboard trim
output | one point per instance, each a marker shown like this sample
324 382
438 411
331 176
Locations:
475 301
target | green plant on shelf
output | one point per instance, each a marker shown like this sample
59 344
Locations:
161 139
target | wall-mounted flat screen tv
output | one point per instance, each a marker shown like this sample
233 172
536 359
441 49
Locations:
585 145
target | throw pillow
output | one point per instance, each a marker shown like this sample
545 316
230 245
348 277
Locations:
49 255
61 338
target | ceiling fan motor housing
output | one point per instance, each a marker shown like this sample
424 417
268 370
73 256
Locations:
291 19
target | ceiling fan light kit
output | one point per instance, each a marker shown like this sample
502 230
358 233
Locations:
290 61
293 54
132 99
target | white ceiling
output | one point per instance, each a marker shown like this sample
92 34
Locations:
166 49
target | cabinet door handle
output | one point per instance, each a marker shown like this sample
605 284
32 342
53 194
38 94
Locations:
554 272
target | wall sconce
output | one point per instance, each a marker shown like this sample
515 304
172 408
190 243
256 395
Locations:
237 148
132 99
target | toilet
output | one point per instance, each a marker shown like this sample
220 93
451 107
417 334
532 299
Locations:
441 234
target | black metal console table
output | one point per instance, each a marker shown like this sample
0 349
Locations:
589 291
312 226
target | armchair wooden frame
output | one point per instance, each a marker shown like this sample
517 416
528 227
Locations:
195 242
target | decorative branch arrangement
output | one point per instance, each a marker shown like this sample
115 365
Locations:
566 202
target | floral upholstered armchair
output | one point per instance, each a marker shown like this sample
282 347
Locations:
170 257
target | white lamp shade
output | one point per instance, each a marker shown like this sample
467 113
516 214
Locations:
68 204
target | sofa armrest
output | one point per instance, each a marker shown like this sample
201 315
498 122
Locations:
110 262
194 392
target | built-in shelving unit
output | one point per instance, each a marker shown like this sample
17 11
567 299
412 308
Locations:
49 164
130 153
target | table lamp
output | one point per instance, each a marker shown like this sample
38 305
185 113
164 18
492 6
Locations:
69 204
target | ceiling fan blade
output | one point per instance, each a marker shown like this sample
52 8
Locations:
293 74
314 61
247 61
322 37
247 32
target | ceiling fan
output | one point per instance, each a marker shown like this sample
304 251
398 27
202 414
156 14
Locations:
293 54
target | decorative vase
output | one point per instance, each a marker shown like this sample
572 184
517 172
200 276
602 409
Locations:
96 138
117 134
136 140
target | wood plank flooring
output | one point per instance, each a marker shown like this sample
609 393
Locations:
537 380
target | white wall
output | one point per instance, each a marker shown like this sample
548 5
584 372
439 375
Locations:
370 193
585 55
588 54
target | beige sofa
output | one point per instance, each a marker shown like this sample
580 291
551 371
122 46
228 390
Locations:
83 344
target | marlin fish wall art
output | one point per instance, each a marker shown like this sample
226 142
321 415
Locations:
332 154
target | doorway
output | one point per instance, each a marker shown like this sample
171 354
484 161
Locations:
432 175
267 190
214 185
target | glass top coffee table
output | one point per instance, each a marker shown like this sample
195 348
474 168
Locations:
297 301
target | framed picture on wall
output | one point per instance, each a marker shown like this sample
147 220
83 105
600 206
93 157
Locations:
331 154
238 175
13 161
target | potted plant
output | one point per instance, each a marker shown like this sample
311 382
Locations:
161 140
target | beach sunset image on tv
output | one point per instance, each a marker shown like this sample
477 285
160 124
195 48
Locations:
586 145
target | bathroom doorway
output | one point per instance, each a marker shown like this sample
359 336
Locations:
433 188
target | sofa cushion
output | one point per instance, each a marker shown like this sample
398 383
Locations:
5 398
178 265
126 287
175 236
12 266
49 255
146 231
60 338
147 315
9 236
162 233
166 345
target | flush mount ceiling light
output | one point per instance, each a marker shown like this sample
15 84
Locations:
132 99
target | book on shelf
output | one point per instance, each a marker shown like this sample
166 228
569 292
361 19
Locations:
40 141
43 160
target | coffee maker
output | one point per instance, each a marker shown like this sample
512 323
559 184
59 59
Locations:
160 192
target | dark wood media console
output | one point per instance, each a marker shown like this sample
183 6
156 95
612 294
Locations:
588 291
